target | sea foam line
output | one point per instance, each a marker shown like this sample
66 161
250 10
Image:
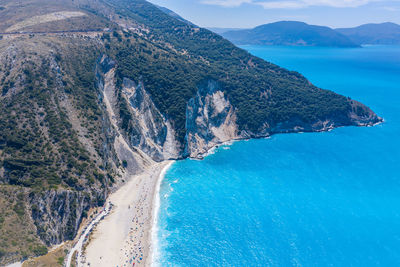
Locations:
154 253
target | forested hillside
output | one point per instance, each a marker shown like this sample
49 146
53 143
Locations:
262 92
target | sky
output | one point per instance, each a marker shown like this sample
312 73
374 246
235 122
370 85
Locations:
251 13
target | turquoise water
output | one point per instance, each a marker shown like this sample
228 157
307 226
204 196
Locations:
314 199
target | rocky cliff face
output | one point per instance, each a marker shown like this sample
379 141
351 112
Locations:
64 158
57 214
210 120
358 115
105 72
149 133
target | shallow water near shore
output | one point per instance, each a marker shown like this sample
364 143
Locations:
312 199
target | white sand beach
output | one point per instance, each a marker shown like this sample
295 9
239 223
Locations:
123 237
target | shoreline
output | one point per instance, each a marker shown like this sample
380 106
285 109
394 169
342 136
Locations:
151 252
154 251
124 236
150 179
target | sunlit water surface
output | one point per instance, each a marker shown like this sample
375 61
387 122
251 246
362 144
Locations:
315 199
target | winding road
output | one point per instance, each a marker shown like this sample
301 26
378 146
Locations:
54 32
84 236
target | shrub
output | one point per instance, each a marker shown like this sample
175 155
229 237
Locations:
40 250
124 163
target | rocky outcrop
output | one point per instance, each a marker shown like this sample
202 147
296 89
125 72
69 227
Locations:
57 214
358 115
210 120
149 133
105 77
361 115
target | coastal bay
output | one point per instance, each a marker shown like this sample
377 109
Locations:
130 136
306 199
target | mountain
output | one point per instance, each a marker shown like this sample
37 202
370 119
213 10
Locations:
384 33
95 91
289 33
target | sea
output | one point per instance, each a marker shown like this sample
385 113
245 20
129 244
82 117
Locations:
311 199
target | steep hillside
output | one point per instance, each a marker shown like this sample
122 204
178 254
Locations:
93 91
383 33
290 33
48 15
55 140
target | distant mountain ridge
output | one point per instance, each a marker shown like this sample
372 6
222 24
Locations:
294 33
290 33
223 30
373 33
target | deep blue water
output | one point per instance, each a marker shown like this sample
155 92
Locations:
314 199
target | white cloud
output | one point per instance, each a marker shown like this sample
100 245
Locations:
308 3
390 8
282 4
276 4
227 3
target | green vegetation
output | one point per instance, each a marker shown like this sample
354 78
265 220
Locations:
176 58
52 137
124 163
39 145
40 250
60 260
17 232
